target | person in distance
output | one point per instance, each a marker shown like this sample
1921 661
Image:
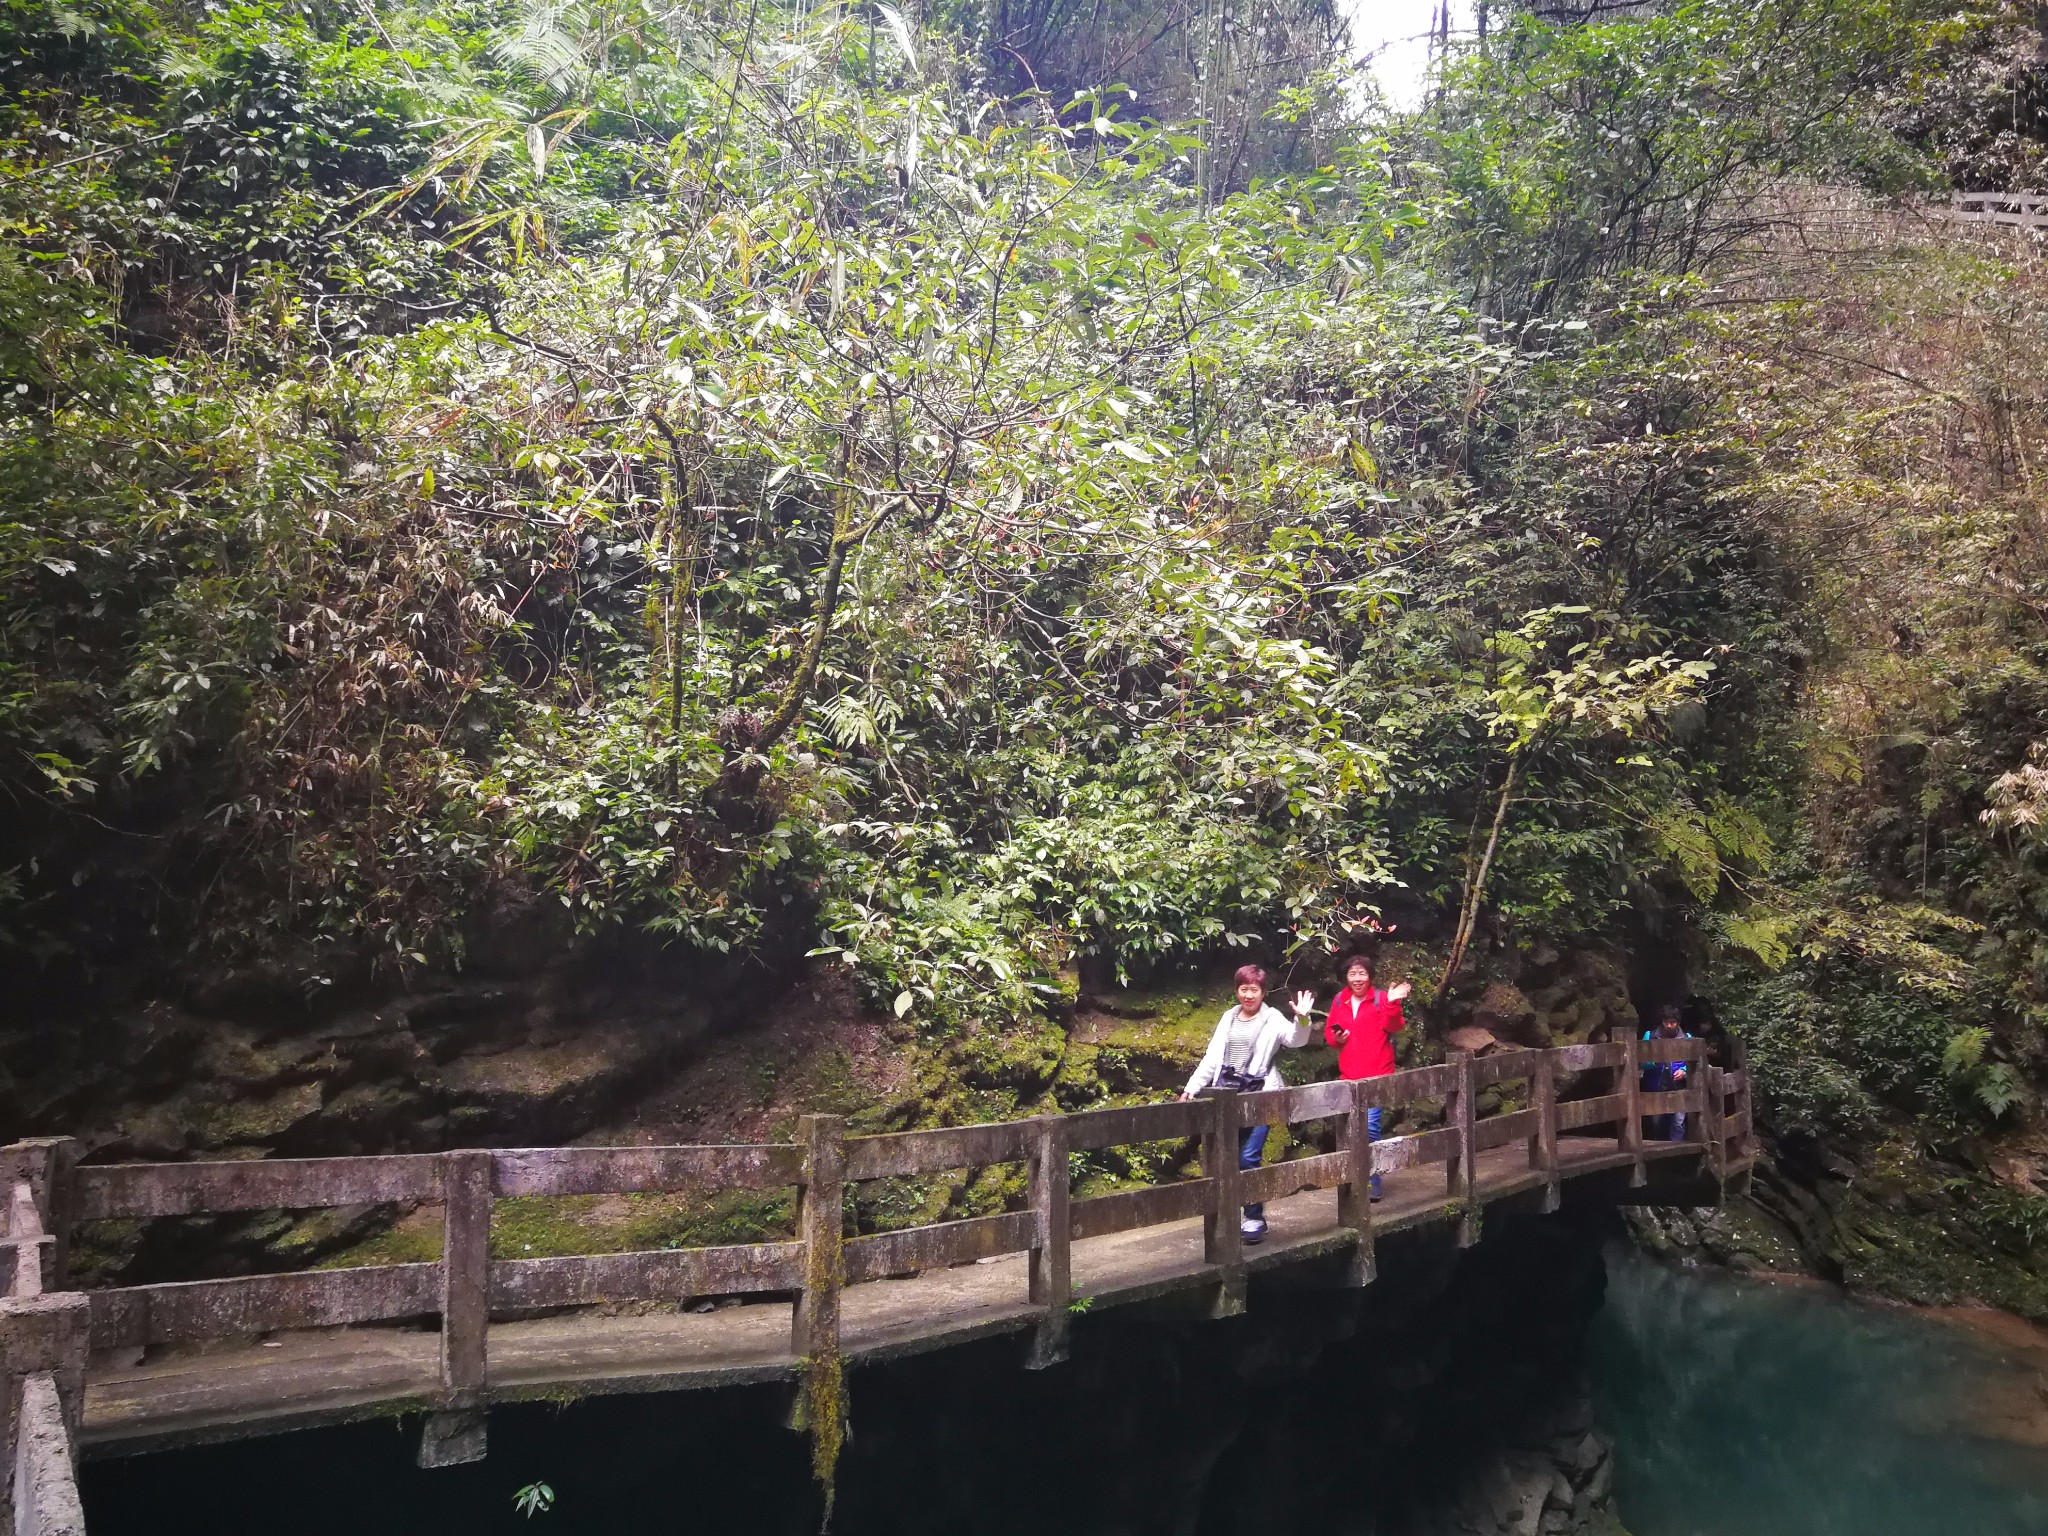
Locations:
1241 1056
1363 1021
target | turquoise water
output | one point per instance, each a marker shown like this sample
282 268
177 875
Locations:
1744 1408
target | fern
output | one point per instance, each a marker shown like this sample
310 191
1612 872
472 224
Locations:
1992 1086
1965 1050
850 721
543 48
1998 1089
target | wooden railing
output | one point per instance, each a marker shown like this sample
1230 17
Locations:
466 1287
2019 210
42 1356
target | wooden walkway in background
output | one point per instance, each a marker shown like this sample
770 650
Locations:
317 1377
2014 210
150 1367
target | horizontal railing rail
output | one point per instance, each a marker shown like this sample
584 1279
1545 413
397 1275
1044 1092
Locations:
465 1288
2024 210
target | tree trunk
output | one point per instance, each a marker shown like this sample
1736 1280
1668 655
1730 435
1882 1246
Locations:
737 777
1475 885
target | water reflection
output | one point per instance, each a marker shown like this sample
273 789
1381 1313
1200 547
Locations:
1742 1408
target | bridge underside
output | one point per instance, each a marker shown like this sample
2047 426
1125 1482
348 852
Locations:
188 1396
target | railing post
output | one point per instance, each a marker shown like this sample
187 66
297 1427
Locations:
455 1432
1746 1111
43 1343
814 1324
1712 1130
1543 1144
44 1498
1696 1077
29 1240
1458 1170
1354 1195
48 1162
1632 1108
1052 1246
1222 1237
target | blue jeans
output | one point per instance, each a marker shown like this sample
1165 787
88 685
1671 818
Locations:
1251 1151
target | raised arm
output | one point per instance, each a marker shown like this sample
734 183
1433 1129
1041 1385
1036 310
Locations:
1294 1036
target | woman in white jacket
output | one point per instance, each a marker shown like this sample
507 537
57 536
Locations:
1241 1055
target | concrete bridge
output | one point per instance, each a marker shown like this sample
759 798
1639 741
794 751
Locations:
116 1370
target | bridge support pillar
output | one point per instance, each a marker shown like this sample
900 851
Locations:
454 1437
1052 1247
1632 1110
455 1433
1354 1195
1458 1169
1543 1145
1222 1238
820 1406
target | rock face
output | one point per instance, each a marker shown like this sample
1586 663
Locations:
541 1037
544 1039
1552 1476
1888 1217
461 1062
565 1043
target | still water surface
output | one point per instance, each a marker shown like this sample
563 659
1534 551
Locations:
1746 1408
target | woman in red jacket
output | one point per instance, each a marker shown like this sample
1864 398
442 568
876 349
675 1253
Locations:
1362 1022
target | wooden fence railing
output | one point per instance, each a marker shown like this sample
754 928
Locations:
2019 210
466 1286
43 1342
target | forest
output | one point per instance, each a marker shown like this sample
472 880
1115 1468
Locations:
1014 503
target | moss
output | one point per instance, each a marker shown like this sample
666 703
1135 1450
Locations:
1469 1213
414 1240
546 1227
1904 1231
226 1055
310 1236
822 1400
374 1103
538 1226
243 1121
101 1250
1174 1018
1905 1226
824 1393
829 1083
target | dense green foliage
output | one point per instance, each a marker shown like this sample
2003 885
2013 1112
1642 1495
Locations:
725 473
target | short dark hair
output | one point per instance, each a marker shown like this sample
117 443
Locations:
1255 974
1669 1011
1351 960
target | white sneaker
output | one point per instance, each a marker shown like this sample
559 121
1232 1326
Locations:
1252 1229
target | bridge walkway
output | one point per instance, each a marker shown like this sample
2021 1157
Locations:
150 1367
